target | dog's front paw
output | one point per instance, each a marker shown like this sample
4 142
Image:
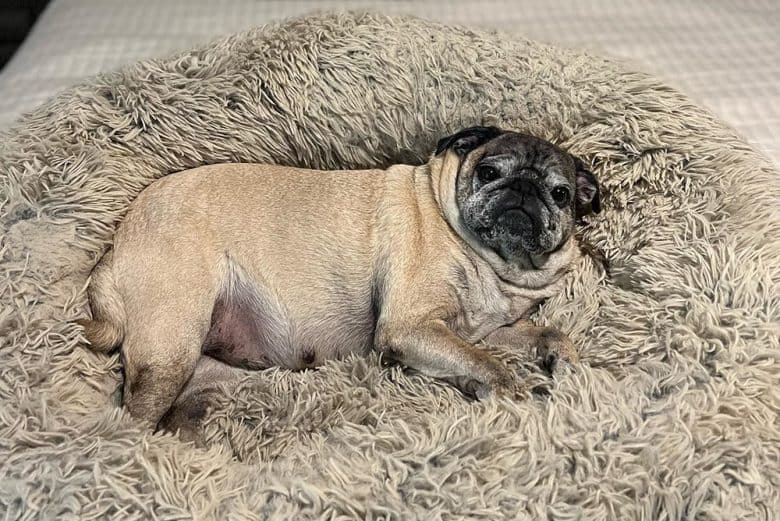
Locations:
556 353
502 382
514 390
492 379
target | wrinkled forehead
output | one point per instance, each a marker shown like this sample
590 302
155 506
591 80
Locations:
514 151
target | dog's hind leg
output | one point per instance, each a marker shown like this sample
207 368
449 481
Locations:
210 380
164 334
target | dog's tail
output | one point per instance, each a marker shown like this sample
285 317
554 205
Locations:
106 329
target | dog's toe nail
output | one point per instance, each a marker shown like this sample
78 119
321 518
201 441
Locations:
562 368
548 361
482 394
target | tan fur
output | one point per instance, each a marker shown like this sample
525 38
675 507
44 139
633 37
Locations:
106 329
319 247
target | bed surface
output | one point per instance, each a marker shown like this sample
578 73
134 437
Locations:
672 414
725 55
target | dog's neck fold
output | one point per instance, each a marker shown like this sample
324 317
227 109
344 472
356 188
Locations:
442 171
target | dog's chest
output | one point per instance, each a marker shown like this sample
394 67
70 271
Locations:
485 302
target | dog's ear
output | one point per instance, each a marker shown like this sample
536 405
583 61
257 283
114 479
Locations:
467 139
587 199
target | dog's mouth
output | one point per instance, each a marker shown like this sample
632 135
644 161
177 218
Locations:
516 218
513 218
533 234
515 224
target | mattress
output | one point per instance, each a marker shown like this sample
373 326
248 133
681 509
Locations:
725 55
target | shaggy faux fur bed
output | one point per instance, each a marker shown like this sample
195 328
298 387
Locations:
672 415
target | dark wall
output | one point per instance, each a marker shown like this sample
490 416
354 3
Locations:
16 20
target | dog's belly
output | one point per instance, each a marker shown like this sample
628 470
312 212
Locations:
255 329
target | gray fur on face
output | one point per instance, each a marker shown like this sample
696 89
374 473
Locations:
514 211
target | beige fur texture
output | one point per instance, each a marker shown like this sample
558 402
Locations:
673 413
263 266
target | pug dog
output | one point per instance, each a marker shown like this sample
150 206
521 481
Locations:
257 266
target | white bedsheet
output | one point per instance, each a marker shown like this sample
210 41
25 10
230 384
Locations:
724 54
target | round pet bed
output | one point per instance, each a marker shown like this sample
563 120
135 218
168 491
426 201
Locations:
672 415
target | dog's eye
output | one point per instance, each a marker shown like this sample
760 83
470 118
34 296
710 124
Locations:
487 173
560 195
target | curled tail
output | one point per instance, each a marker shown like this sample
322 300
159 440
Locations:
106 329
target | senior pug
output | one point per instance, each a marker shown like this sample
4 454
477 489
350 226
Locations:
258 266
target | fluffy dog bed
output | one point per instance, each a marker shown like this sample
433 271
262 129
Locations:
673 414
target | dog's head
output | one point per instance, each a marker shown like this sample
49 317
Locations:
516 193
